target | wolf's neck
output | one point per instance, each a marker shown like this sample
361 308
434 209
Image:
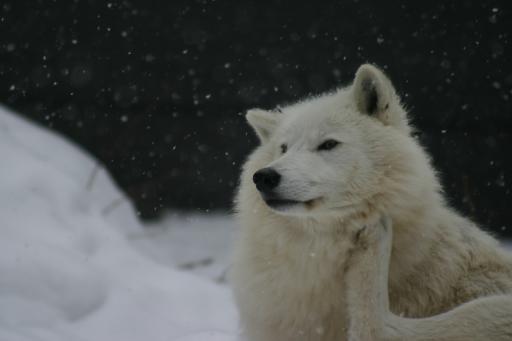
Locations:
411 191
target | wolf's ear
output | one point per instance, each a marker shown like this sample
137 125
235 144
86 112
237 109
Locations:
263 122
373 92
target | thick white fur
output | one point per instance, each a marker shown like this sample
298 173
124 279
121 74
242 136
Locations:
289 267
366 278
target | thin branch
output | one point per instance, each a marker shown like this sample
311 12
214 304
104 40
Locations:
93 176
196 264
112 206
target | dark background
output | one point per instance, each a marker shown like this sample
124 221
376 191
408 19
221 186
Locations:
156 89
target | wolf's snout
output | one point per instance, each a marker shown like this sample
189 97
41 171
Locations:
266 179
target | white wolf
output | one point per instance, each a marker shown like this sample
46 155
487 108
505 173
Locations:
307 265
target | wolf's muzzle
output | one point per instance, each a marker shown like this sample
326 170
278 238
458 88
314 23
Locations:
266 180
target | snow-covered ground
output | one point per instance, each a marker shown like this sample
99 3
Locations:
76 264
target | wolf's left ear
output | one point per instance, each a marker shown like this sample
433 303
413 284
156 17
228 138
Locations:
263 122
374 95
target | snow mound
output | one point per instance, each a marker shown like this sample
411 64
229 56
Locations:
70 271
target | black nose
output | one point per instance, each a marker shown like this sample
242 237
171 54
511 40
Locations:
266 179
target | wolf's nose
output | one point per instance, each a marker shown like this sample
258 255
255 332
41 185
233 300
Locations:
266 179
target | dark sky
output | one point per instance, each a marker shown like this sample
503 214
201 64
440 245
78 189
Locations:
155 89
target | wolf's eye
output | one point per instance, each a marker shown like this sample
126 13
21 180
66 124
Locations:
328 145
284 148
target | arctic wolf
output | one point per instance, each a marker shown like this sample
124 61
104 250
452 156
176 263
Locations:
317 201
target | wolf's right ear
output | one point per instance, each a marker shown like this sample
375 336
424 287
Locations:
263 122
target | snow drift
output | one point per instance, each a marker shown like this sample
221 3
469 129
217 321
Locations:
68 268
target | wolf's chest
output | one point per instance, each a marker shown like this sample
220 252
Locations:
299 288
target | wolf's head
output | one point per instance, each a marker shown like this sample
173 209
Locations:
333 152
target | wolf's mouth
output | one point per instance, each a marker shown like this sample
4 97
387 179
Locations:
281 202
278 203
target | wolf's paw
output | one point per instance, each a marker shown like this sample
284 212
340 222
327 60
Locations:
371 251
374 234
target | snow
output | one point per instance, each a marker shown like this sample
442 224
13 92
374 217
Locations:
201 243
76 264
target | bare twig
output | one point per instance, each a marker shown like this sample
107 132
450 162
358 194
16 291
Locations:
112 206
196 264
92 176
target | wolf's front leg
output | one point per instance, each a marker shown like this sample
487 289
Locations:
367 281
486 318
